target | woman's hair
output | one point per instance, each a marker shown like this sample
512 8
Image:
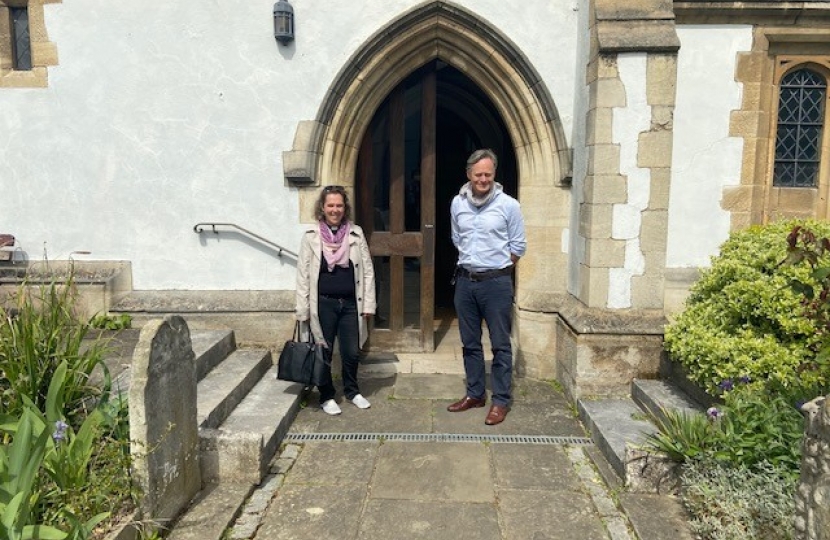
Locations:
483 153
321 200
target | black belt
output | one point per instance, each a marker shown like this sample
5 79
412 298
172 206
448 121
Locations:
337 297
485 275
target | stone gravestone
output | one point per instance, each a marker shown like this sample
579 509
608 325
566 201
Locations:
163 428
812 500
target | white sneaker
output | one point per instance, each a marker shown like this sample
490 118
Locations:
361 402
330 407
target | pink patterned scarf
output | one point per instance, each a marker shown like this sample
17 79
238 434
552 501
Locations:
335 247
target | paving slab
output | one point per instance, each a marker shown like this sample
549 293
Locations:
430 386
456 472
533 467
335 464
425 520
384 416
312 512
523 418
540 393
549 515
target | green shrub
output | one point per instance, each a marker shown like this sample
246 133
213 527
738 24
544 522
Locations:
743 318
103 321
805 248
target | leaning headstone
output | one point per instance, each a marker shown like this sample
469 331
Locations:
812 500
163 427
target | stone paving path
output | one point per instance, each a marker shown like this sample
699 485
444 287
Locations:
386 488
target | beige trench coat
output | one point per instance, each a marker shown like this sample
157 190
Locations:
308 273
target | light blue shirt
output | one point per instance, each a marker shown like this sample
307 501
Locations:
486 236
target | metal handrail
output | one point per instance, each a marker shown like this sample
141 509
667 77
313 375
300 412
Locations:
199 228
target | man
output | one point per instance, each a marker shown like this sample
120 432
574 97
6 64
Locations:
488 231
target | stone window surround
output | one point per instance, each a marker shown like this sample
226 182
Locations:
775 52
44 52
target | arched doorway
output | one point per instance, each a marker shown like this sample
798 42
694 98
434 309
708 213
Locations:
327 148
411 165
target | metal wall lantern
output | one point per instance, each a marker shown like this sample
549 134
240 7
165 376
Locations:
283 22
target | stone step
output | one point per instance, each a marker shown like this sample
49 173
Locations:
212 512
227 384
241 447
211 347
656 396
614 423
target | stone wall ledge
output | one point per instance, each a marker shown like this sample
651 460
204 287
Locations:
582 319
219 301
757 12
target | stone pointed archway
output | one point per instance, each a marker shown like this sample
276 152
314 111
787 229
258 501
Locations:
327 147
325 150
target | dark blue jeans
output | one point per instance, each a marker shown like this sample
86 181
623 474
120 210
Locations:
338 318
491 301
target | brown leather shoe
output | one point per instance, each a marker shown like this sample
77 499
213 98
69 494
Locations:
496 415
466 403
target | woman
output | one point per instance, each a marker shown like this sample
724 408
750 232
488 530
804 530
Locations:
336 289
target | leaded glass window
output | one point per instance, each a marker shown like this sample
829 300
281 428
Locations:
800 125
21 45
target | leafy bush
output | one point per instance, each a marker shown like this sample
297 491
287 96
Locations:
803 246
729 502
743 319
103 321
35 337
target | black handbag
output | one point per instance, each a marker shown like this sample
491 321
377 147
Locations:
304 362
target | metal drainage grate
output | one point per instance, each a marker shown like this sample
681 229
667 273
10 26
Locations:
437 437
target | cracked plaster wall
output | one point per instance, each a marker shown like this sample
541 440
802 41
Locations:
158 118
705 158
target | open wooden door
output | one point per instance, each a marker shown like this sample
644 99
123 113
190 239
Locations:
396 206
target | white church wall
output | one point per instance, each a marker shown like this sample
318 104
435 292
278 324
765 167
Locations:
159 117
705 158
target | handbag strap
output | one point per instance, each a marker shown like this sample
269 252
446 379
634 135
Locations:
298 334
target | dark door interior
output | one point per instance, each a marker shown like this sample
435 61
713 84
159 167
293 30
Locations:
411 164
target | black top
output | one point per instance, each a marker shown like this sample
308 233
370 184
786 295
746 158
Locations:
339 283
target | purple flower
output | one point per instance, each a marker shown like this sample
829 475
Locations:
60 431
745 380
726 385
713 413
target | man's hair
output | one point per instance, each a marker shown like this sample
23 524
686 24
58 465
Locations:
321 200
480 154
